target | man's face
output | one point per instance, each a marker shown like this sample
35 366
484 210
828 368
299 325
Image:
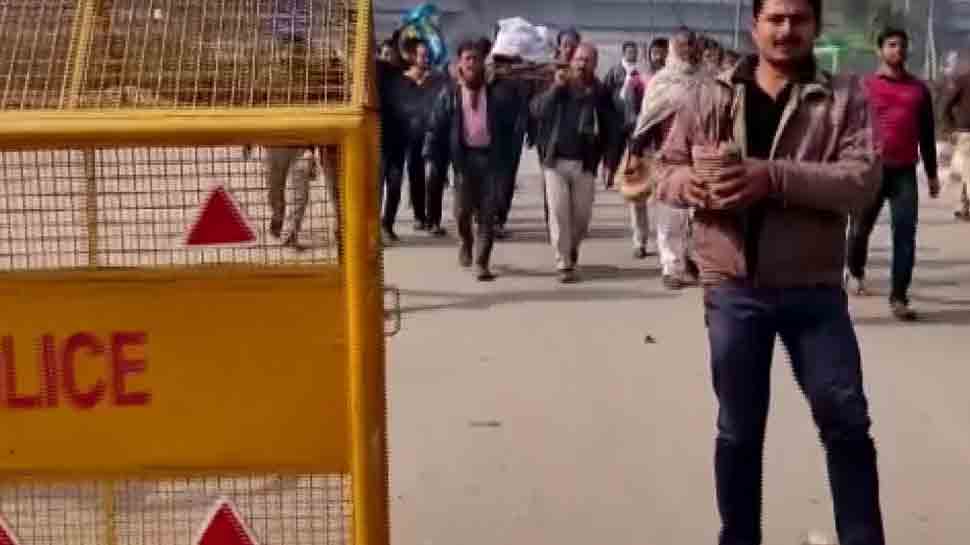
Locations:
630 54
422 56
470 66
658 56
685 47
567 47
584 63
894 51
387 53
712 56
785 31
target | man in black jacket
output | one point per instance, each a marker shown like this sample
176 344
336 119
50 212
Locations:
463 132
578 123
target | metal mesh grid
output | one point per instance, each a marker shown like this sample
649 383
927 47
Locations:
298 510
142 202
179 53
187 53
35 40
42 210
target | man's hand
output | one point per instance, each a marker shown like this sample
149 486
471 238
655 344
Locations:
696 193
934 188
606 177
561 79
741 186
431 170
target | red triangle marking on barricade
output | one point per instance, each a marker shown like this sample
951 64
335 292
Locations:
224 526
220 222
7 537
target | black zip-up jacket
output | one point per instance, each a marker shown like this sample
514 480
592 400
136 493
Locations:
444 141
600 123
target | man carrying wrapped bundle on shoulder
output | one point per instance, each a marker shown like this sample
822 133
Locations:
514 81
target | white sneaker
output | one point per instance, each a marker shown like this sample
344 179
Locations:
818 538
855 286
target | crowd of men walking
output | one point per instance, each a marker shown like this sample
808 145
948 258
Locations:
473 121
767 177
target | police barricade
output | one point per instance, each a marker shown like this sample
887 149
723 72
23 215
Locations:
175 367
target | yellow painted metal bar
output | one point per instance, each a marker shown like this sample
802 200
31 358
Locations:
365 338
363 53
128 128
91 206
82 34
14 281
110 512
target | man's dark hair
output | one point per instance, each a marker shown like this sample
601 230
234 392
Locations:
629 45
816 6
685 32
469 45
485 45
660 42
892 32
569 32
410 45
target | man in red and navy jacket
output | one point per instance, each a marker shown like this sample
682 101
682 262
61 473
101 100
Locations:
902 113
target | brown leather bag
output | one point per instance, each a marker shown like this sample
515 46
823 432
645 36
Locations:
633 176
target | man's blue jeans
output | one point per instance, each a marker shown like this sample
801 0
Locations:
900 189
817 332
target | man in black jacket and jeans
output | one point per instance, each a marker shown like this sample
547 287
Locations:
578 122
462 132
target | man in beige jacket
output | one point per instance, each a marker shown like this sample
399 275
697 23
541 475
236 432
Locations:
770 241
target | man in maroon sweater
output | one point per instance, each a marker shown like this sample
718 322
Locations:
902 112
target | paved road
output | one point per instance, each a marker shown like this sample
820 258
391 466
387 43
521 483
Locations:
525 411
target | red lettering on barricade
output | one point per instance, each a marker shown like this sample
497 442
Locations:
122 356
49 358
7 537
15 400
224 526
81 400
122 367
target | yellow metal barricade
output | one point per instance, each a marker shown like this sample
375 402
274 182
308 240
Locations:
147 373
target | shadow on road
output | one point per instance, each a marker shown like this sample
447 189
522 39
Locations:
484 301
937 317
588 273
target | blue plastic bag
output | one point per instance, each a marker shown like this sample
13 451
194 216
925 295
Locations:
421 22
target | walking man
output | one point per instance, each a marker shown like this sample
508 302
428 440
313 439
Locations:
412 97
625 82
462 133
630 91
956 114
578 123
511 102
771 248
665 95
902 112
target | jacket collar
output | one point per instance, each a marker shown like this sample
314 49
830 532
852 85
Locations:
811 80
884 73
